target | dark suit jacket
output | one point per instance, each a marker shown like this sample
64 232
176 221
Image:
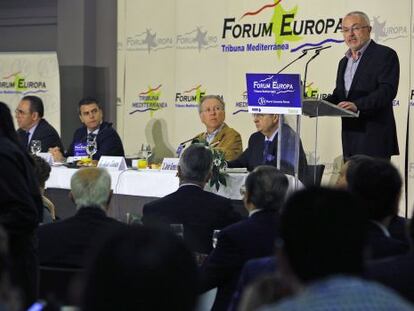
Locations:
252 271
20 212
108 141
67 242
200 212
373 89
44 132
247 239
381 246
253 155
395 272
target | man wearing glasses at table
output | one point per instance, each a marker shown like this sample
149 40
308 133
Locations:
366 83
262 147
218 134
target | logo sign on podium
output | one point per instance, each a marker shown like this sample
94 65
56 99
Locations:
274 93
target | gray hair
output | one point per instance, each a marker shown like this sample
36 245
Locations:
266 187
361 14
90 187
204 98
196 163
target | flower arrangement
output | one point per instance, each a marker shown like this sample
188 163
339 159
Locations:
218 176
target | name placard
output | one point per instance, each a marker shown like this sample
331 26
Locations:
112 163
274 93
169 164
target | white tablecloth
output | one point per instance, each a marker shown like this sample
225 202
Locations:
146 183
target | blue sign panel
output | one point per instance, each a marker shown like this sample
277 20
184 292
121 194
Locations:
274 93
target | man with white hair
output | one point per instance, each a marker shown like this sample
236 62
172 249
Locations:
366 83
66 243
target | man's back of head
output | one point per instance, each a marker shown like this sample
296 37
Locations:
91 187
195 164
266 187
323 233
377 183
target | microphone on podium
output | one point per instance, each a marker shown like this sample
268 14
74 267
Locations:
182 145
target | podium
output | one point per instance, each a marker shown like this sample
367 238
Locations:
291 150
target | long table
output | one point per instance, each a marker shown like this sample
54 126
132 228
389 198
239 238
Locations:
132 189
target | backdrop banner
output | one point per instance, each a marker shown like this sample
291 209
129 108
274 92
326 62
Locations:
172 55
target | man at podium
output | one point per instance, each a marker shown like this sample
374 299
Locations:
366 83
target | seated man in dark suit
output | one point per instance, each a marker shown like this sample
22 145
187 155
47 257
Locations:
65 243
32 125
251 238
107 139
398 224
200 212
321 254
396 272
377 183
262 146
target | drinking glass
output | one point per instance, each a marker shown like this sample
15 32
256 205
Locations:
178 229
146 151
91 146
215 237
35 146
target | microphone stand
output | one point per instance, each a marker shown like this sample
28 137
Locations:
304 52
317 52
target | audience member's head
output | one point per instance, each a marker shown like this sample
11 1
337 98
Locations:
41 170
141 268
377 183
323 234
266 188
29 112
6 124
91 187
342 182
195 164
90 113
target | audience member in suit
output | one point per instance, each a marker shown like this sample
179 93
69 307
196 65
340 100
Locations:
107 139
251 238
42 173
141 268
321 255
252 271
32 125
218 133
398 224
20 207
367 83
200 212
396 272
377 183
262 146
66 243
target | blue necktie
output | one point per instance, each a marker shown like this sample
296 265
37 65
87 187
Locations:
266 153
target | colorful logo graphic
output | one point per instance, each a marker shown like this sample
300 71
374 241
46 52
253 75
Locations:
148 41
197 39
241 106
283 26
149 101
382 32
16 83
189 98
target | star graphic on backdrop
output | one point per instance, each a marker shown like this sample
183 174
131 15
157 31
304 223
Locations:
277 26
378 29
200 38
150 40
